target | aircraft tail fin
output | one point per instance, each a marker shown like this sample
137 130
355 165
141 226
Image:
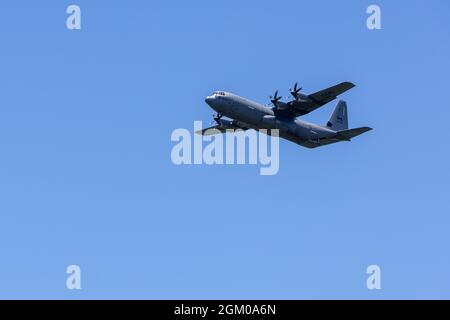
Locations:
339 118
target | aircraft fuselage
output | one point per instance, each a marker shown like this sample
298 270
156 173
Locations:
248 113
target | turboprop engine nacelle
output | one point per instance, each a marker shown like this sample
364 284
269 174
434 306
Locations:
225 122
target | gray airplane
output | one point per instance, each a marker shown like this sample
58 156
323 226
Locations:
244 114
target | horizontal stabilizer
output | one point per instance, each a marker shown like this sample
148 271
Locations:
351 133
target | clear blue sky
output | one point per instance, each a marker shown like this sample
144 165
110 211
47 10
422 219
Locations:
86 176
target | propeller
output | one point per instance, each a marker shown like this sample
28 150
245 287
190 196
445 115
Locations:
217 117
295 91
275 98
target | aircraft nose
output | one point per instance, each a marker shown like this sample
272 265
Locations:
209 99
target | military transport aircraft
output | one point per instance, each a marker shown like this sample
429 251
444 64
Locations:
245 114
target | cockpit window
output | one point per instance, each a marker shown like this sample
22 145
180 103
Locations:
220 93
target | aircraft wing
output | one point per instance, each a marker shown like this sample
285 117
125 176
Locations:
316 100
211 131
324 96
219 129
